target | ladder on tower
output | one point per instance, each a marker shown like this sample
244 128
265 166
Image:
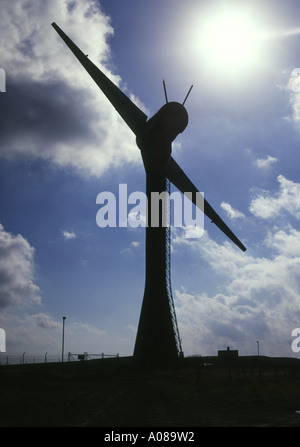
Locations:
168 275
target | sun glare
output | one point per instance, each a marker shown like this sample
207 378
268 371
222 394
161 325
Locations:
229 41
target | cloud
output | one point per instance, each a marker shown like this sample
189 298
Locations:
232 213
68 235
131 328
17 279
44 321
294 92
40 332
52 109
132 249
78 327
265 163
35 333
267 205
259 298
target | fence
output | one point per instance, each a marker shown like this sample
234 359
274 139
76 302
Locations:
87 356
28 358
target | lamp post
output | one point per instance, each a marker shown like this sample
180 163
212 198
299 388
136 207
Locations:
63 340
257 341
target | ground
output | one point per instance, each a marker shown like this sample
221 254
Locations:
114 394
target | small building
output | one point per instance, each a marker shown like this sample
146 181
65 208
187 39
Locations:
228 355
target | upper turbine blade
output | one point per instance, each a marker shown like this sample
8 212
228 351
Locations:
131 114
176 175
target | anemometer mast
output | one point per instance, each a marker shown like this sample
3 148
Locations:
166 96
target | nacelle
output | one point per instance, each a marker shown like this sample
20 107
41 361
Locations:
155 139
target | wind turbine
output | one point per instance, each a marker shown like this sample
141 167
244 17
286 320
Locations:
157 341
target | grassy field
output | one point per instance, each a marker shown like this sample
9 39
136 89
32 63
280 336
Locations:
104 393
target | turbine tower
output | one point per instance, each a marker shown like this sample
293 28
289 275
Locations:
157 331
157 341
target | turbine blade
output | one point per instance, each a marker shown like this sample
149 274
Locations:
179 179
131 114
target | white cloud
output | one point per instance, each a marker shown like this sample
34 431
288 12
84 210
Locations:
268 205
31 333
232 213
38 333
132 249
137 219
68 235
30 50
17 286
294 91
76 328
259 298
286 242
44 321
265 163
60 114
131 328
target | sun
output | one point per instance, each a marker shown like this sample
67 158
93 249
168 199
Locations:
229 41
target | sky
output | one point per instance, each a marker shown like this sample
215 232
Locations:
62 143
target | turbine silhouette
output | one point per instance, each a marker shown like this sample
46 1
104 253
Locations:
157 341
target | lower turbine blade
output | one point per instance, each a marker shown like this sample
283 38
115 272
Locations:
179 179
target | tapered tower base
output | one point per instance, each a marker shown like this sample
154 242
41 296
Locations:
155 344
